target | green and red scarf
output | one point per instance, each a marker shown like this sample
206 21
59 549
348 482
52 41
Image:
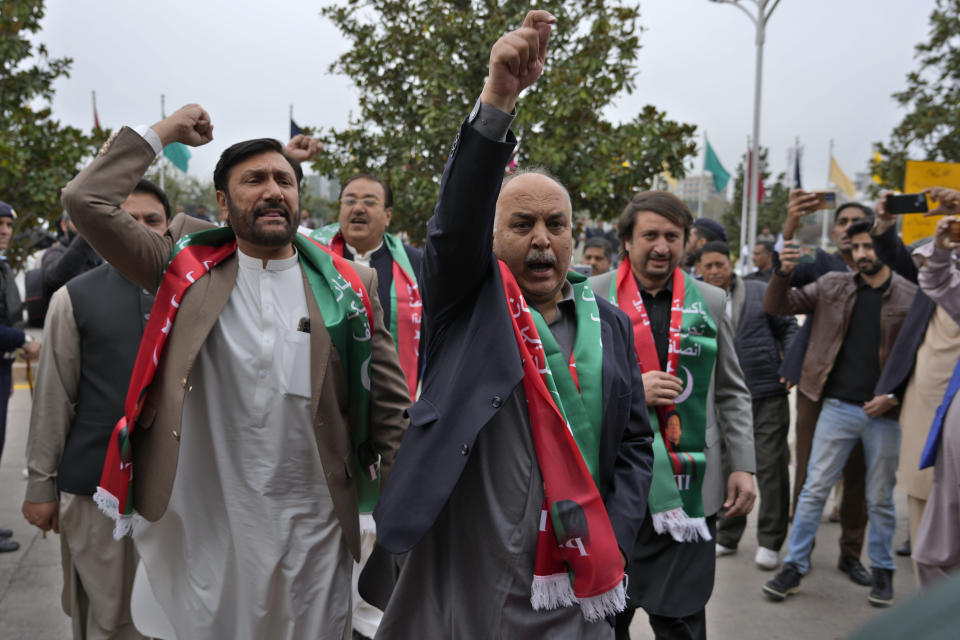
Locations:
577 559
347 315
405 304
679 463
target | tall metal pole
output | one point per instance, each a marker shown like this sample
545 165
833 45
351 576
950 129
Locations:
703 173
760 23
755 165
744 217
825 215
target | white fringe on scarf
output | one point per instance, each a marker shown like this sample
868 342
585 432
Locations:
110 506
680 526
555 591
367 524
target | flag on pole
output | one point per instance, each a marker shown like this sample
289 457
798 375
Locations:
796 168
712 164
176 152
840 179
760 190
96 118
877 159
294 129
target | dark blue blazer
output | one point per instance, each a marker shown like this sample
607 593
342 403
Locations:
473 364
903 355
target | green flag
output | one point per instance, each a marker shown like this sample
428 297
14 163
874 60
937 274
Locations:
178 154
712 164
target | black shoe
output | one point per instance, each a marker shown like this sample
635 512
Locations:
881 594
852 567
904 549
6 533
6 544
784 583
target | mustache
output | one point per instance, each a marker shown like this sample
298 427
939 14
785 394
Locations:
261 210
540 257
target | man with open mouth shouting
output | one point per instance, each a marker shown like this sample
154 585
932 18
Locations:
522 481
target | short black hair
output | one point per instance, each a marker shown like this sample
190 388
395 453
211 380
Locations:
599 241
236 153
145 186
767 246
714 246
662 203
387 191
863 225
867 211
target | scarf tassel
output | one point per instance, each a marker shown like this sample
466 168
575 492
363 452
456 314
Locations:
680 526
125 524
555 591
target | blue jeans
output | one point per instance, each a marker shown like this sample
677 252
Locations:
840 426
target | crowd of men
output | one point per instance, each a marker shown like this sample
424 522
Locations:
329 433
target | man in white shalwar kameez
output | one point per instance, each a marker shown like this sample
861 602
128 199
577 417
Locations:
247 494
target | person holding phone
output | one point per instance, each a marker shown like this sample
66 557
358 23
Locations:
856 321
853 511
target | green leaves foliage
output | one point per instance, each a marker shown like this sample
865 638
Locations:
419 67
38 155
930 130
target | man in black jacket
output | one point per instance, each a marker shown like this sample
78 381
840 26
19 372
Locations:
761 340
467 491
93 326
68 258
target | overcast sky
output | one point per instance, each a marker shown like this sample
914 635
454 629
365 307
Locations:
829 69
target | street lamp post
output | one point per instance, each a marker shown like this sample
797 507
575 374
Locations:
760 22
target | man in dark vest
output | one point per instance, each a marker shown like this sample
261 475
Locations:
94 325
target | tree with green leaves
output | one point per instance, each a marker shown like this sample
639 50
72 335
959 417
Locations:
419 66
931 128
38 155
772 210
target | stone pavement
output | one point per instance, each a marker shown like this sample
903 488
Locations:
828 605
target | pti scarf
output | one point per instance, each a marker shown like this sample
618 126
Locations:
679 462
405 304
577 559
348 318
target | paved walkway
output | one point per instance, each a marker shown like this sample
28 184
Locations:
828 605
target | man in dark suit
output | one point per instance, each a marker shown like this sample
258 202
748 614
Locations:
470 492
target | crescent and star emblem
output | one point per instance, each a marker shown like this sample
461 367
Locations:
687 390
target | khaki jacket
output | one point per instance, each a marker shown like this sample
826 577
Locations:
93 201
831 298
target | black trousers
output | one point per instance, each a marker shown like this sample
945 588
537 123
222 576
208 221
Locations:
692 627
771 425
6 379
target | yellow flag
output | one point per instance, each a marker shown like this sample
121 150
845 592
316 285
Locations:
668 177
839 178
877 158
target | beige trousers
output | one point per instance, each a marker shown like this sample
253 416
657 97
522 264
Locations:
97 572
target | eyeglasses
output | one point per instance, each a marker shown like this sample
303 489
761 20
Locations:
367 202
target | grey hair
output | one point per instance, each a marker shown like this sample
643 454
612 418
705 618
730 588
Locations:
536 171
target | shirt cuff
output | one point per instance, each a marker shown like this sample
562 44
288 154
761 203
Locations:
931 254
491 122
150 136
39 491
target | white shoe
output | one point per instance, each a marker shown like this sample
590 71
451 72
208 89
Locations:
724 551
767 559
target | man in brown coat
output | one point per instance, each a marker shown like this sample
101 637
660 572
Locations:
246 473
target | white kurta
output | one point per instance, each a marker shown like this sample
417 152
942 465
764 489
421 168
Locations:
249 546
